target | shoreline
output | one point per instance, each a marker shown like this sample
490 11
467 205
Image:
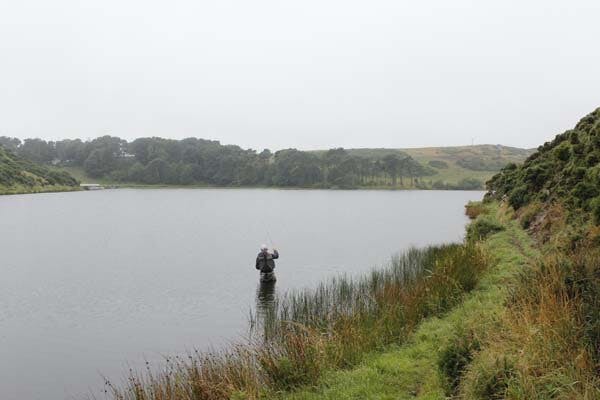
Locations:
20 191
11 191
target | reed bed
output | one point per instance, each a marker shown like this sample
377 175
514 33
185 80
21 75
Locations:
304 333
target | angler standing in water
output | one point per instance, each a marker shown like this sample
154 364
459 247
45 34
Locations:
266 264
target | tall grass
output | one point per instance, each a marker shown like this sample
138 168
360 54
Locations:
304 333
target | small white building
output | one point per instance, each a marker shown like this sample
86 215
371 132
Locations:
91 186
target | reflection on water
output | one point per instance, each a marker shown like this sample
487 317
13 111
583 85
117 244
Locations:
265 297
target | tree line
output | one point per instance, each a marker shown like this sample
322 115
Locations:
195 161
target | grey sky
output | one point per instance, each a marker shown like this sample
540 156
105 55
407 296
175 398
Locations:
306 74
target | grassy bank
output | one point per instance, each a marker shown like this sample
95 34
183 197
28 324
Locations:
529 330
306 335
431 363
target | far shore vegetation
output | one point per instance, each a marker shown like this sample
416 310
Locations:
198 162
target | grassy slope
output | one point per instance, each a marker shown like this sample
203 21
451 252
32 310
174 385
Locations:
19 176
451 155
410 371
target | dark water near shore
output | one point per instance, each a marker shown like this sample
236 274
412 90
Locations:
92 281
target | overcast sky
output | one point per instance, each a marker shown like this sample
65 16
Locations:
305 74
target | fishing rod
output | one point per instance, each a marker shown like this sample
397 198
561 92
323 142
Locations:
270 240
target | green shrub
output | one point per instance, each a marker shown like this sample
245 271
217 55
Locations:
584 191
519 197
482 228
563 152
574 137
592 159
537 175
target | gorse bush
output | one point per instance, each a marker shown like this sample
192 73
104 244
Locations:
306 333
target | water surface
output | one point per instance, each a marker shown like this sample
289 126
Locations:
92 282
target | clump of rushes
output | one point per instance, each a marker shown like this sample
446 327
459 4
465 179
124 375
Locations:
331 326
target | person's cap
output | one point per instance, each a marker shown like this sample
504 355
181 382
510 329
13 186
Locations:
263 247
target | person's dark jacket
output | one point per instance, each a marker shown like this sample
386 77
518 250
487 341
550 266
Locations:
265 261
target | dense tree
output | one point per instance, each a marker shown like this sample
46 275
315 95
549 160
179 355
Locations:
296 168
154 160
37 150
9 143
391 165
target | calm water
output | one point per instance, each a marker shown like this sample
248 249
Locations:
94 282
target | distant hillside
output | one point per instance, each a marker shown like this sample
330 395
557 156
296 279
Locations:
18 175
194 161
453 165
